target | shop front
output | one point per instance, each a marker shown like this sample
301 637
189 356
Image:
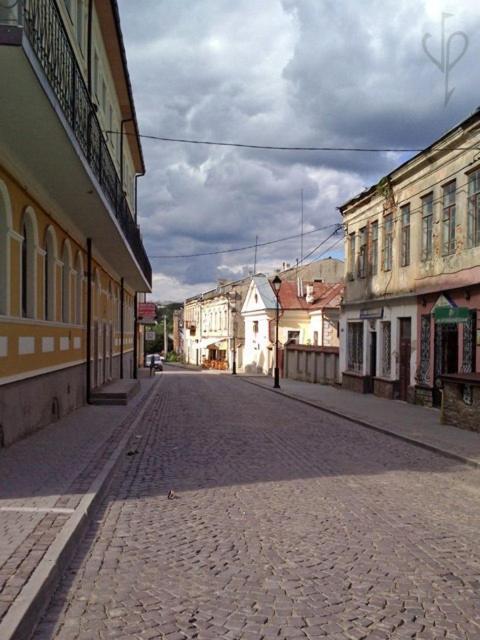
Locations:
449 338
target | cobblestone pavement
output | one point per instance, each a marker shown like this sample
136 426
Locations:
42 480
289 523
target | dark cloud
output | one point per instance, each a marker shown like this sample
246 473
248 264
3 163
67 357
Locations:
291 72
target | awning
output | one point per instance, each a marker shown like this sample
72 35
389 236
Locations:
221 345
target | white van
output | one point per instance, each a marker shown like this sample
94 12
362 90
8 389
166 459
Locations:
157 361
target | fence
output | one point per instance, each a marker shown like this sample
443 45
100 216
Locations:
312 364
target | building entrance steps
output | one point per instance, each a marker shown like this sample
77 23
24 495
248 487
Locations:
117 392
50 484
419 425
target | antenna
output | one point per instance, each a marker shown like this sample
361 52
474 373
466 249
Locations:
301 226
255 259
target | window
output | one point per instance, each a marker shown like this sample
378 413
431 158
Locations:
351 253
255 326
448 222
80 23
473 226
355 347
95 73
68 4
79 290
66 268
28 277
387 242
362 253
25 270
293 337
49 286
405 249
104 97
315 338
386 349
5 226
427 226
374 249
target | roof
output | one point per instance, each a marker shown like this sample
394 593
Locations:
265 291
370 191
324 296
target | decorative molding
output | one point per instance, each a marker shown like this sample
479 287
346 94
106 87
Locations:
64 343
14 235
3 346
48 344
39 372
26 345
38 322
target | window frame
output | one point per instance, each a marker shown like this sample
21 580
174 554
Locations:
387 248
405 249
374 247
449 218
427 226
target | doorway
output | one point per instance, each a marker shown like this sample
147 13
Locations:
405 356
446 355
373 354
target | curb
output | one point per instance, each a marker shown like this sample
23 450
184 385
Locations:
25 613
363 423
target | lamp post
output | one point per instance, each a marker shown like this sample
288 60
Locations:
233 308
276 285
234 361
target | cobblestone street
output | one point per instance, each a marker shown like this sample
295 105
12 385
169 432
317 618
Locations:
287 523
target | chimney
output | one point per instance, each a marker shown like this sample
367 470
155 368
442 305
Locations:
309 294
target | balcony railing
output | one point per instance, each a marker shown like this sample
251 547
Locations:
44 28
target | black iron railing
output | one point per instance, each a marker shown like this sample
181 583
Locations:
44 28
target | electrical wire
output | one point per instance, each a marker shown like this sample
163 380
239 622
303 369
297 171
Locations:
283 148
251 246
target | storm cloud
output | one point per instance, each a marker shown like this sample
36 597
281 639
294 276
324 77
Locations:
291 73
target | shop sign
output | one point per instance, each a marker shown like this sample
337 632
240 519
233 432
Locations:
150 336
147 312
446 315
371 314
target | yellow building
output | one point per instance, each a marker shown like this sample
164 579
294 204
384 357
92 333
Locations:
71 254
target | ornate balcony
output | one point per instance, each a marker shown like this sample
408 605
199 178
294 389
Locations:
42 25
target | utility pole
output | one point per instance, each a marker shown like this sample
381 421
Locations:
301 234
165 337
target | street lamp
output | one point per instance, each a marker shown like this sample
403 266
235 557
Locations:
234 361
276 285
233 308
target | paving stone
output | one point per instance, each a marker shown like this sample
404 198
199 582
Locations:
289 523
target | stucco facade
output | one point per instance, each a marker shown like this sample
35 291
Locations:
412 244
71 258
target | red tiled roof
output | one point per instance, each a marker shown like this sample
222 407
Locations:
324 295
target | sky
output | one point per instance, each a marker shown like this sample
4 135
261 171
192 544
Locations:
346 73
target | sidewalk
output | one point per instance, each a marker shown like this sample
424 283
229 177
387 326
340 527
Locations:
409 422
49 483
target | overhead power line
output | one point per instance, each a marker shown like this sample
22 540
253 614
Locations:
250 246
267 147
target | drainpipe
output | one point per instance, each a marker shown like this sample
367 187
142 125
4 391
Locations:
89 47
135 339
89 317
122 304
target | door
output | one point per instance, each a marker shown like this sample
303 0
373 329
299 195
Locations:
446 355
95 355
405 355
373 354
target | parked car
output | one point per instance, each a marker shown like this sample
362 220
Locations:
156 359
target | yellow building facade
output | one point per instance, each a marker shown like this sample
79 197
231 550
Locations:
72 261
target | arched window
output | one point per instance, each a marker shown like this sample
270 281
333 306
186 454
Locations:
5 226
50 246
79 289
28 277
66 281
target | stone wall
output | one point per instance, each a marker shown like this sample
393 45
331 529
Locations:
312 364
423 396
356 382
385 388
456 411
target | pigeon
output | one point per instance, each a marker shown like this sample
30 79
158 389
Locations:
172 495
132 452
